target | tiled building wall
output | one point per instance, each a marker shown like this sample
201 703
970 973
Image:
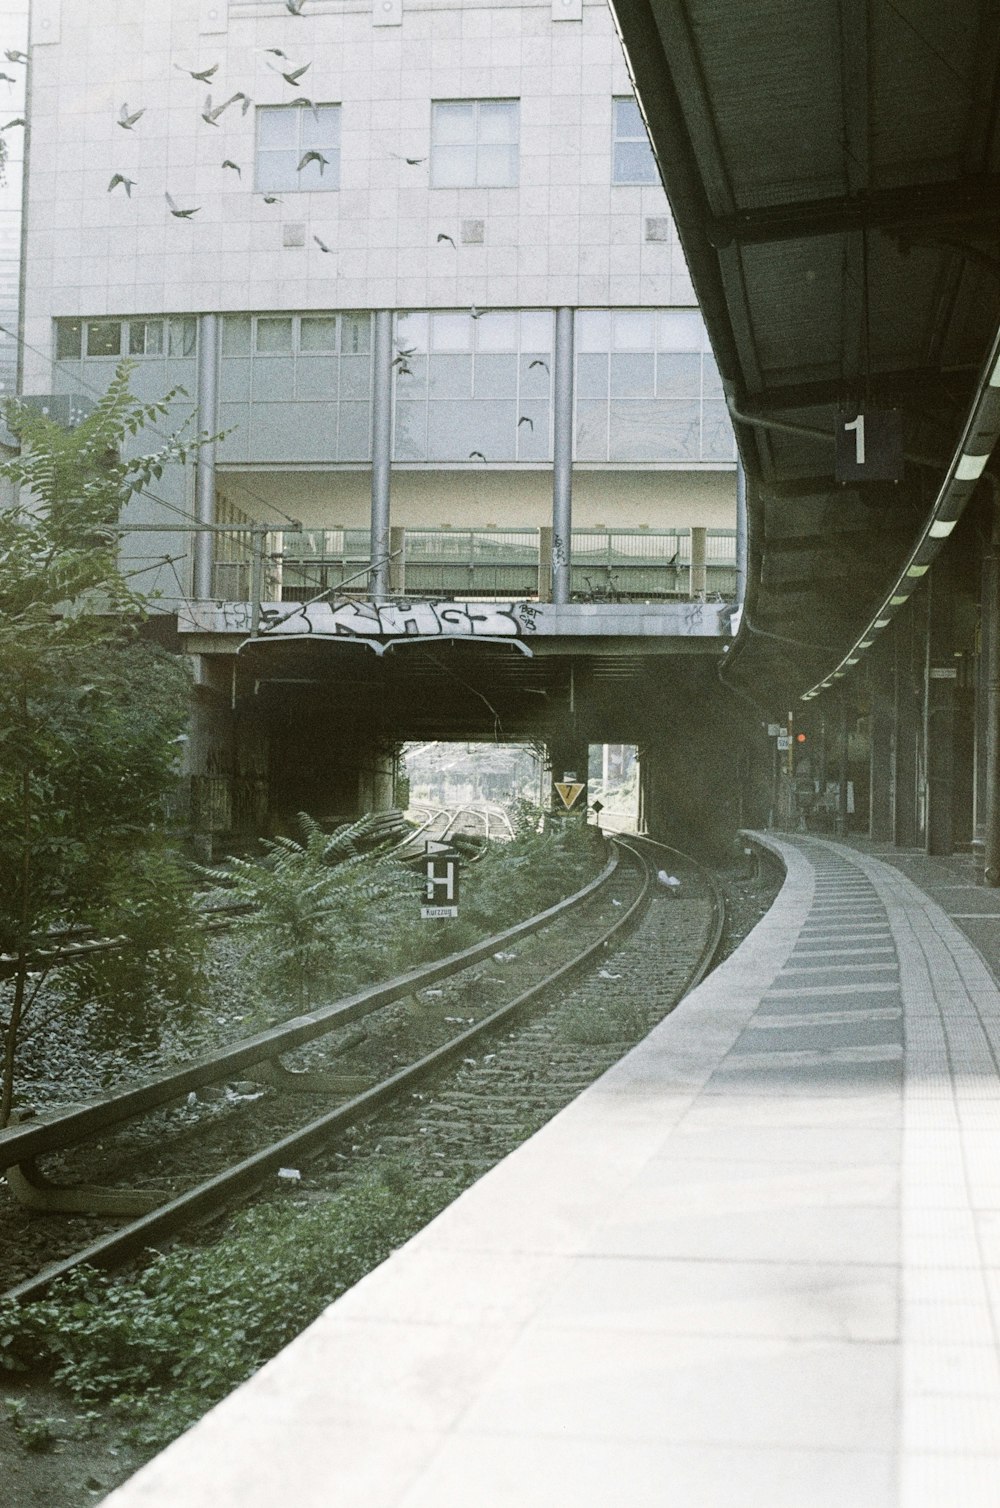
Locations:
565 234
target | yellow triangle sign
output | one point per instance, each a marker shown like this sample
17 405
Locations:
569 791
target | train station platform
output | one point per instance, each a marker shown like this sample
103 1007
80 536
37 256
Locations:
755 1265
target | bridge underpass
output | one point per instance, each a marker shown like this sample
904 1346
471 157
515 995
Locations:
294 716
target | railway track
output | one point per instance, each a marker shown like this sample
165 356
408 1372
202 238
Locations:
430 1027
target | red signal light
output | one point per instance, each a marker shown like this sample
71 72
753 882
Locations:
800 738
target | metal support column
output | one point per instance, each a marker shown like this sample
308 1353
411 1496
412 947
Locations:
699 568
741 532
880 729
208 423
843 768
906 724
562 457
381 452
991 686
939 715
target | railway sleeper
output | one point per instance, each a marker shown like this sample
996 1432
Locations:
31 1188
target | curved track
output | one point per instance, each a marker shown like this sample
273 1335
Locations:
633 885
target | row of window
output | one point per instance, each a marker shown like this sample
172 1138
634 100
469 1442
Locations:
474 144
598 331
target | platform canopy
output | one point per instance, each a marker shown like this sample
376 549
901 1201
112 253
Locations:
833 170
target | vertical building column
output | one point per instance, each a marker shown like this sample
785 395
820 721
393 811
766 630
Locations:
381 452
208 423
939 714
741 532
843 767
562 457
880 741
699 566
990 684
905 728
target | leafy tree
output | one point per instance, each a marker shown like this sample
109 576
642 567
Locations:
88 714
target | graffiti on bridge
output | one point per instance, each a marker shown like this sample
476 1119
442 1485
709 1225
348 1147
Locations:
402 620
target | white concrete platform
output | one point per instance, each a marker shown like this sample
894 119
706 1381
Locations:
756 1265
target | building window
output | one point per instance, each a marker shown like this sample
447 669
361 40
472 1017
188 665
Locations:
474 143
632 157
104 337
69 339
288 136
145 337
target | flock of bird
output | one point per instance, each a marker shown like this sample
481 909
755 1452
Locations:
129 119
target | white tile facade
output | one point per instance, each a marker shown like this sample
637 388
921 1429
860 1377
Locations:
565 235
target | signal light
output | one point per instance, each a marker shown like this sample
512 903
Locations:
800 738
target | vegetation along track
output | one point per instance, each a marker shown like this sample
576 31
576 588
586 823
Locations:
478 1084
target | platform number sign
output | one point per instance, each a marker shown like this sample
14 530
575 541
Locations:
869 445
440 897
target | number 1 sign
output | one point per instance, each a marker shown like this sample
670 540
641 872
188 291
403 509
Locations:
869 445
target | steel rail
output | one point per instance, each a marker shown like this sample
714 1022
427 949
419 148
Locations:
132 1239
21 1143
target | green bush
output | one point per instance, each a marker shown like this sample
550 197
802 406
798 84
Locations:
173 1340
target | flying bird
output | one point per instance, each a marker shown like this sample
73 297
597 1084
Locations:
295 74
443 237
18 120
322 244
277 52
127 121
272 199
538 363
13 56
411 162
229 163
211 117
119 178
312 156
203 76
294 6
309 104
181 214
525 420
474 313
476 455
7 78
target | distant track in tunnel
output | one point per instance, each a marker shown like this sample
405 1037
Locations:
624 895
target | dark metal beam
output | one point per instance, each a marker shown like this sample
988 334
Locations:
913 385
972 202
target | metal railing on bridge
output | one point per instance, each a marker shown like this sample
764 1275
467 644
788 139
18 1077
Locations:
607 565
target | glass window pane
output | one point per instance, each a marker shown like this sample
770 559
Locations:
718 441
498 120
496 332
628 120
410 432
183 335
411 332
711 381
632 375
320 130
277 126
593 330
104 337
681 330
318 332
678 375
449 376
355 334
453 167
69 333
536 331
236 335
453 122
275 335
495 376
497 167
355 376
634 163
592 431
592 375
451 332
145 337
633 330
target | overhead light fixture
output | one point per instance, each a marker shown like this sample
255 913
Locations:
898 600
917 570
941 528
881 623
970 468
